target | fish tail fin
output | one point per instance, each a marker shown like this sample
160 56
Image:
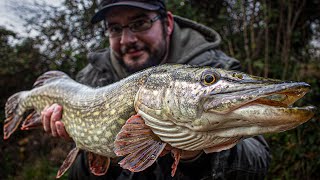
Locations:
14 114
15 111
48 77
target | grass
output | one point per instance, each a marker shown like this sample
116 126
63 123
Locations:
40 169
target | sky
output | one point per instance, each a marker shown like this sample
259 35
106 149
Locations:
7 17
10 20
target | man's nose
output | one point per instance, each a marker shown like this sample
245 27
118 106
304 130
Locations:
127 36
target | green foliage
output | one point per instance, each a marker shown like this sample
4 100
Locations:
295 153
20 64
41 169
65 31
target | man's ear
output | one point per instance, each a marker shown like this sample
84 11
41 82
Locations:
170 23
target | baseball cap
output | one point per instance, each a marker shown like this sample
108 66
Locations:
105 5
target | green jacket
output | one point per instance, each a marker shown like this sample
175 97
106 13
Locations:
191 43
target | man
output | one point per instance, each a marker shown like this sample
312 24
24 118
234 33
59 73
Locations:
142 34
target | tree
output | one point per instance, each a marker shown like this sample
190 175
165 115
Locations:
19 62
65 32
270 38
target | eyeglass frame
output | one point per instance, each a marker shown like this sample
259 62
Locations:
151 21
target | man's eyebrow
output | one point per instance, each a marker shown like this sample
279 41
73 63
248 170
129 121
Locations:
143 15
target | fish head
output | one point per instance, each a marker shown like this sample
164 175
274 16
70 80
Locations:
220 105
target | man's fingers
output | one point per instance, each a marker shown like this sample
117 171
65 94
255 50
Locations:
61 130
45 117
55 116
51 116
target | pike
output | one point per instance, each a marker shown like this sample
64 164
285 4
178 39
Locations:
186 107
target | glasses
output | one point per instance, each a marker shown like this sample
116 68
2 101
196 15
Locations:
115 30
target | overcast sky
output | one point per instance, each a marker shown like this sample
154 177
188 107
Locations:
7 18
10 20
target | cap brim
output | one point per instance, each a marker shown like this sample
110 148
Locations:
100 15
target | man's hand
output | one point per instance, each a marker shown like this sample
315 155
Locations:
185 155
51 116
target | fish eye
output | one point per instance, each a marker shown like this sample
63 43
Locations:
208 78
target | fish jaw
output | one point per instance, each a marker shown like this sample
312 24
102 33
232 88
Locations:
255 119
258 110
281 94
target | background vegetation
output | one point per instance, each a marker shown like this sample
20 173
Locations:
277 39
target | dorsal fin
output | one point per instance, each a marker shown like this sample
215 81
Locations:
48 77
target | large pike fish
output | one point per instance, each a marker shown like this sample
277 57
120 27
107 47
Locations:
187 107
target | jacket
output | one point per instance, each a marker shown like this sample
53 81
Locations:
196 44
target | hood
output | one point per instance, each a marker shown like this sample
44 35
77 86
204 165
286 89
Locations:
190 39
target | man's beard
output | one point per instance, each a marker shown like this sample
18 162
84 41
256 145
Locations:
151 61
154 58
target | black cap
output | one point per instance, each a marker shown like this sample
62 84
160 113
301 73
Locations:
105 5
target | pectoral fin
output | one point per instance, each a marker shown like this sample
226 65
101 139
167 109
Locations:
99 165
68 162
140 146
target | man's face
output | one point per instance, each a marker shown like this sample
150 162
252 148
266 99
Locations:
137 50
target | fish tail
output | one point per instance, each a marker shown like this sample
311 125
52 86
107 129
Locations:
48 77
13 117
15 112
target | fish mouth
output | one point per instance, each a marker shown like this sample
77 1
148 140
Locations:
281 95
257 110
283 98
